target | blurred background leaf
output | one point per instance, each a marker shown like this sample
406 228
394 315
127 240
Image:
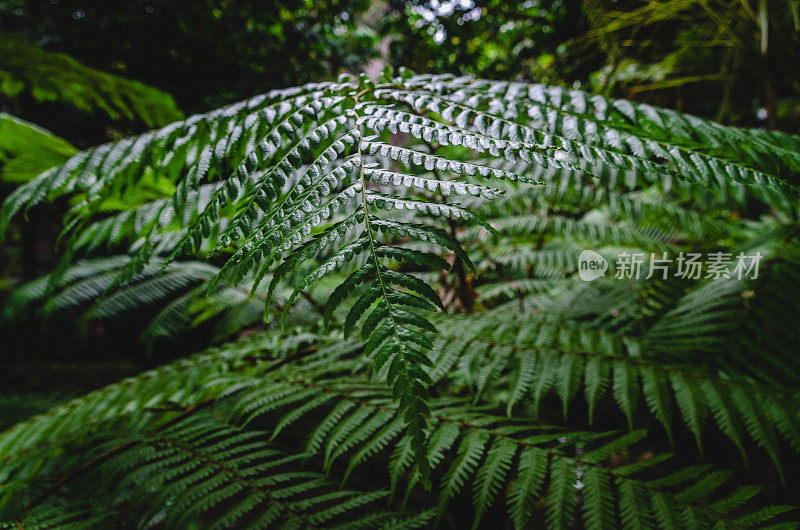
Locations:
26 149
28 71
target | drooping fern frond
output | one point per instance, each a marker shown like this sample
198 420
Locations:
179 295
358 180
266 486
265 438
529 359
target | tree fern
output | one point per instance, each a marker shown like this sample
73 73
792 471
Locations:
363 194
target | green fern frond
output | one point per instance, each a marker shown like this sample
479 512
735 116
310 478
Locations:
368 192
534 359
47 76
27 150
211 459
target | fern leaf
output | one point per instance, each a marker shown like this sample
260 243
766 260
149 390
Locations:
530 479
491 474
562 494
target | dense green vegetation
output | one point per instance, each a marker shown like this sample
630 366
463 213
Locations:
399 299
348 185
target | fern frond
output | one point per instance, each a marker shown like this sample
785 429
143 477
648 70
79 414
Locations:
223 454
48 76
542 357
304 185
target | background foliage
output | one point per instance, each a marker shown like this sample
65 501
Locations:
541 399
